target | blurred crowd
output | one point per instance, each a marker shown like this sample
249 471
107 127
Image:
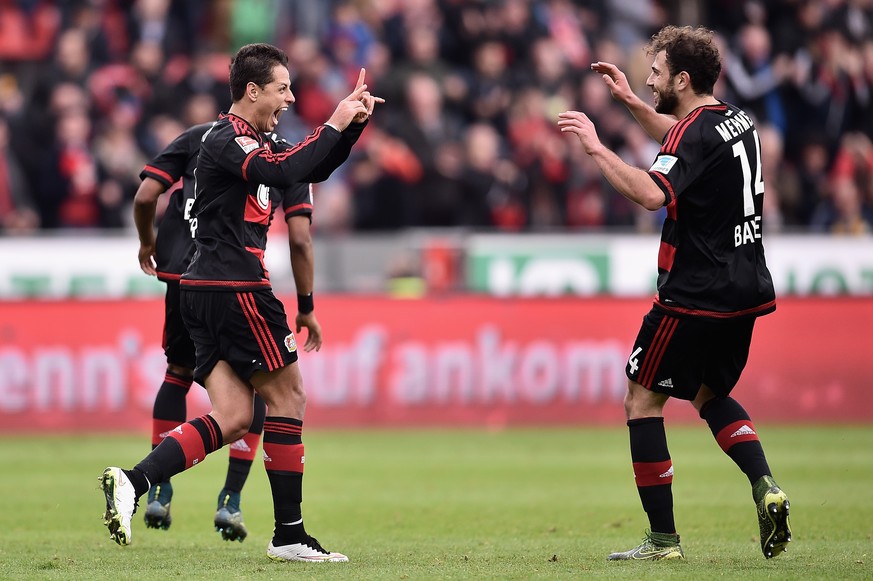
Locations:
90 90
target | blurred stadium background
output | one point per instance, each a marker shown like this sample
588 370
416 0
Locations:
471 267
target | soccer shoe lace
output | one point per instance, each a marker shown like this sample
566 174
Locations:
655 547
309 550
228 517
157 512
773 507
120 503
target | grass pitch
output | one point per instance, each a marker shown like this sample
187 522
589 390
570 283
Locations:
459 504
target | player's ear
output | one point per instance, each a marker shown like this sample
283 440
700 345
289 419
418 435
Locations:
252 90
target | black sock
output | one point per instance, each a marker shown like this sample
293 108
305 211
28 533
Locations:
736 435
653 471
283 460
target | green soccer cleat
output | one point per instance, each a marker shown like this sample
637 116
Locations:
157 513
655 547
773 508
228 517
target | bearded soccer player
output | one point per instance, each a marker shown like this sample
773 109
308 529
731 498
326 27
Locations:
242 340
167 256
713 281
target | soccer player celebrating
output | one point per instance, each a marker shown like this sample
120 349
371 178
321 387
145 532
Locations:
712 278
167 256
242 341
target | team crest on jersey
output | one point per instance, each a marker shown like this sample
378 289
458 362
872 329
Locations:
664 163
264 197
247 144
291 343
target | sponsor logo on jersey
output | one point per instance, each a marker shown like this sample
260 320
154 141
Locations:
664 163
666 383
291 343
247 144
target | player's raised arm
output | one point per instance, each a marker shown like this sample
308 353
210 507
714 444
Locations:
652 122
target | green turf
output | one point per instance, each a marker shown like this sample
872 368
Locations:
519 504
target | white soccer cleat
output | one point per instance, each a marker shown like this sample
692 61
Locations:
120 504
309 550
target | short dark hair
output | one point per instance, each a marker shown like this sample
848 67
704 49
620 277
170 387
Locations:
254 63
692 50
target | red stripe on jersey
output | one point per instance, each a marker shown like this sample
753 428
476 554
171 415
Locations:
663 179
672 210
666 256
255 212
679 131
741 431
245 165
168 276
297 208
259 254
283 457
292 150
160 173
656 351
261 331
717 314
224 283
653 473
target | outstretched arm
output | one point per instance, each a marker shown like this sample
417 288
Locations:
631 182
652 122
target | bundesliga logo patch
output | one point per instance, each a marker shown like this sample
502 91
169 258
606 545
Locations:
664 163
247 144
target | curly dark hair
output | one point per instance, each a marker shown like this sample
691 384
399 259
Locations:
692 50
254 63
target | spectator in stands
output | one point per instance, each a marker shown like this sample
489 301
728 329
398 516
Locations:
805 66
18 213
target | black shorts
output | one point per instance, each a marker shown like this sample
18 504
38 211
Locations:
177 343
675 356
249 330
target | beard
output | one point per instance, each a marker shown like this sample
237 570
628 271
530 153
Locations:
667 100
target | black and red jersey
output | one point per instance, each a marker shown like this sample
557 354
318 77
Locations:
174 246
711 260
233 206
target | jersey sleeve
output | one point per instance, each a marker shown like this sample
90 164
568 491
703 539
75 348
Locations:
169 165
307 161
680 160
297 201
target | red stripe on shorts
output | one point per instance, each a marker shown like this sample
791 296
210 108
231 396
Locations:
257 325
656 351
